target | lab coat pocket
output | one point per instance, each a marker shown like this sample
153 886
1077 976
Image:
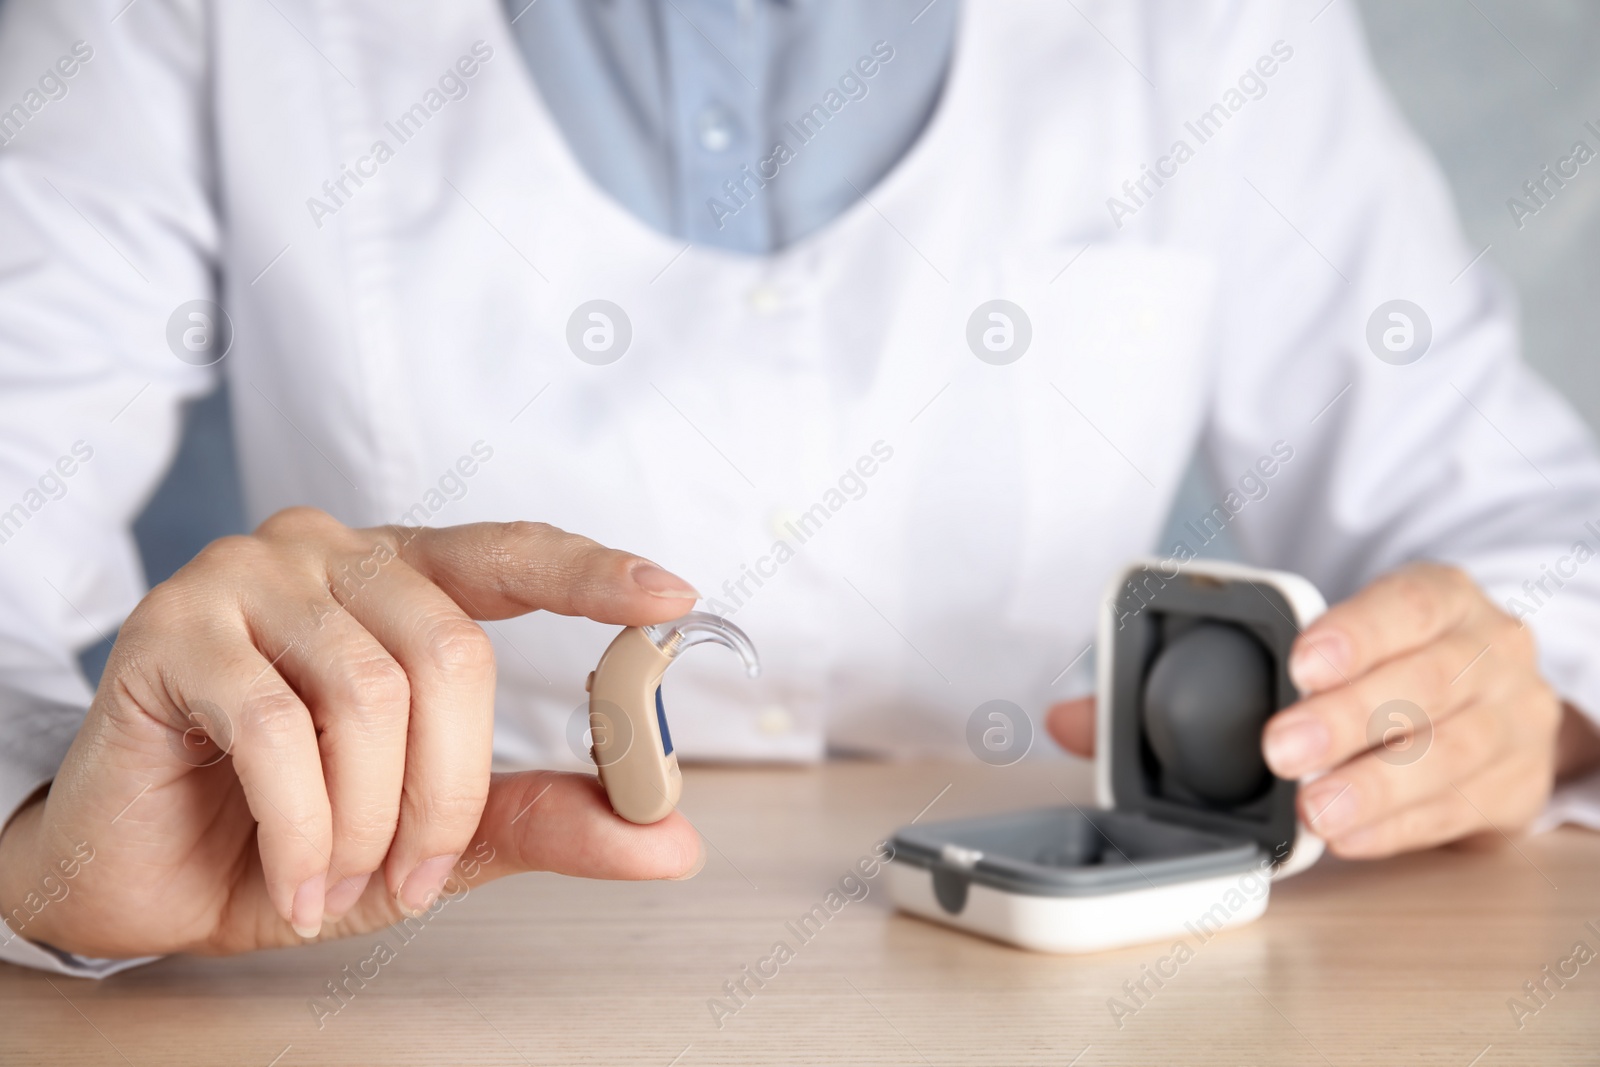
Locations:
1109 399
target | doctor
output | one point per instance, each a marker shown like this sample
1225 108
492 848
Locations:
889 328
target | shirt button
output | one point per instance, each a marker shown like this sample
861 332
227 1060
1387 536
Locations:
717 129
779 522
765 300
775 719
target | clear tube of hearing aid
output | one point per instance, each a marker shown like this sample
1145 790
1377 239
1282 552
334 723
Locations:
699 627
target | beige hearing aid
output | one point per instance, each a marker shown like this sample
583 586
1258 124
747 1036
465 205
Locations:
627 721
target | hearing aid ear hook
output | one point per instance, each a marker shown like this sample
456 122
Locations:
627 720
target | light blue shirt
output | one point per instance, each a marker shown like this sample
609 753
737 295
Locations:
740 124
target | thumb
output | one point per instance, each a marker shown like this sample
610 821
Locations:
539 821
551 821
498 570
1071 723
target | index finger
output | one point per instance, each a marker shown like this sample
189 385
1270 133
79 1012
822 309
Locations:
1398 613
497 570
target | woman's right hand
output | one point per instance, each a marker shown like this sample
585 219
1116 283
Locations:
292 739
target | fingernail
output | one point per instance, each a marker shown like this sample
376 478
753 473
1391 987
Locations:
658 582
699 865
1295 747
424 883
1331 806
1320 662
306 912
343 896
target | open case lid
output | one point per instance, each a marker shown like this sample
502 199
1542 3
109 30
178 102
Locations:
1149 607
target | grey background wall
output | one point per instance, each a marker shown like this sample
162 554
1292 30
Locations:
1499 88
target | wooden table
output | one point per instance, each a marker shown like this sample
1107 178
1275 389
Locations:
1407 961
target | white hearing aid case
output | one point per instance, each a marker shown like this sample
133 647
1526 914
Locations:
1190 826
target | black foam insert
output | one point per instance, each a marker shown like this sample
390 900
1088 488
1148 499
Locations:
1214 789
1206 698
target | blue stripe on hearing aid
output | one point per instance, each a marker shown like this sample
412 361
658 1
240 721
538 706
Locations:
661 719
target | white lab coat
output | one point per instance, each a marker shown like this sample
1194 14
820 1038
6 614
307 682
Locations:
427 316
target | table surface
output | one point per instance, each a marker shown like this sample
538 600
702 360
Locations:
1411 960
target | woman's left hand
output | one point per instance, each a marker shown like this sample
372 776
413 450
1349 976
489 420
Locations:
1424 713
